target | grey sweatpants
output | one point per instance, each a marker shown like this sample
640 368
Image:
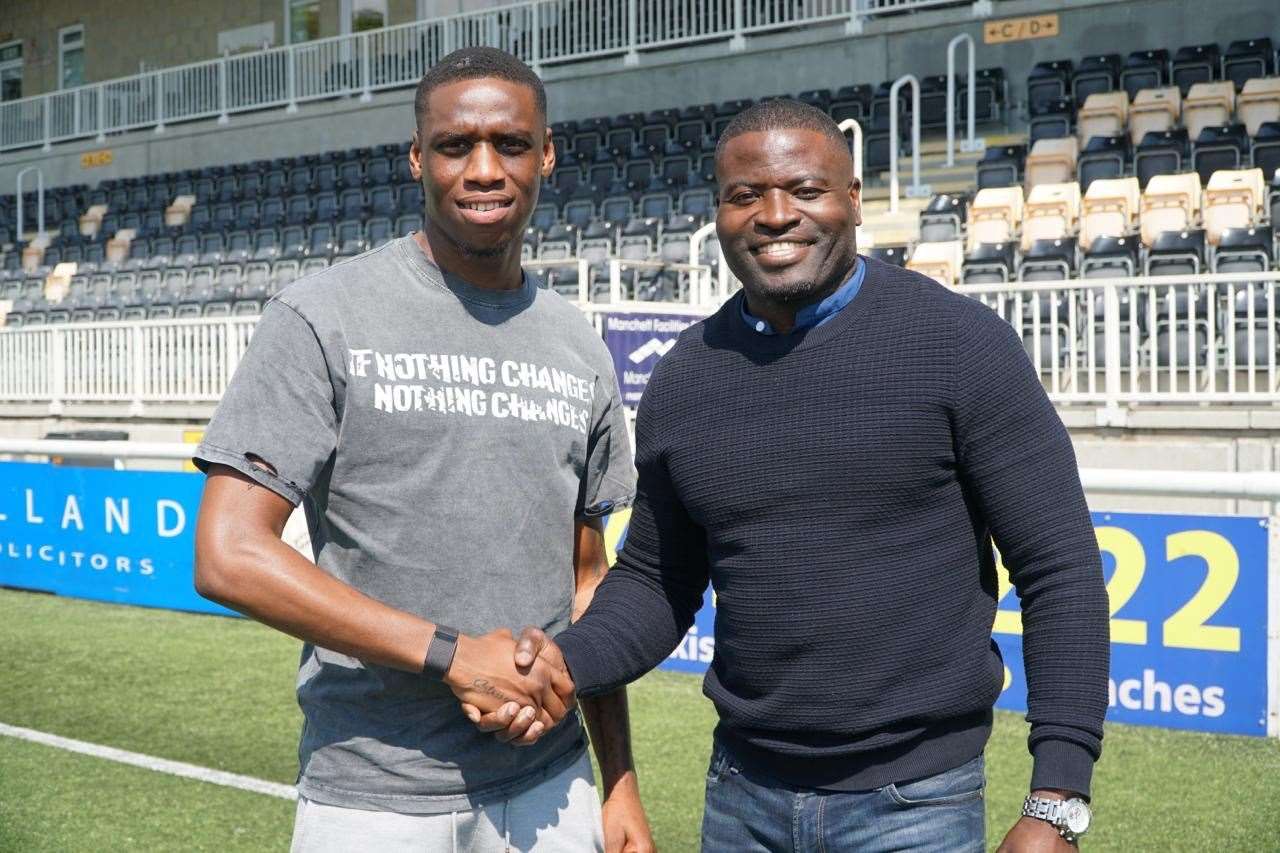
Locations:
561 815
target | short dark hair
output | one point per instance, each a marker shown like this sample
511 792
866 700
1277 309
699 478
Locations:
780 113
471 63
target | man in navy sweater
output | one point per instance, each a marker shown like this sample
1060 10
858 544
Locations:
835 449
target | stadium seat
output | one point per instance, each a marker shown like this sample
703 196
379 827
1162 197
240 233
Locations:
1247 59
1159 153
1266 153
988 263
1169 203
1103 114
1051 120
1051 212
1104 157
944 217
995 215
895 255
1095 74
1198 63
1001 166
1048 81
1051 161
1208 105
1233 199
1217 148
1109 208
1258 102
1154 110
942 262
1048 260
1243 250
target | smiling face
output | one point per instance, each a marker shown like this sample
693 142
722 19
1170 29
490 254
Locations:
789 207
480 155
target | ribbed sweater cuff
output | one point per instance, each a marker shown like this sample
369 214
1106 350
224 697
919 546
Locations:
1062 764
589 676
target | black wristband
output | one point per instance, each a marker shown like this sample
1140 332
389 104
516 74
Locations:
440 651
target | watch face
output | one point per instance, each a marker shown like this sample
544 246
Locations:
1077 816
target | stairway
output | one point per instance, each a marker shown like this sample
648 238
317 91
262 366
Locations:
882 228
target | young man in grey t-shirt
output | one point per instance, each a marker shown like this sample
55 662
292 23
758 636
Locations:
455 435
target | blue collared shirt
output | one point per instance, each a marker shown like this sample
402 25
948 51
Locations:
819 312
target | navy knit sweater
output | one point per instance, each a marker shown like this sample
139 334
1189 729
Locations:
841 487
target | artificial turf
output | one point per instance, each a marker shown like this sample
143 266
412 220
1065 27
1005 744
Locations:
218 692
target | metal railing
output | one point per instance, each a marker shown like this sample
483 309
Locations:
540 32
1105 342
916 190
1186 338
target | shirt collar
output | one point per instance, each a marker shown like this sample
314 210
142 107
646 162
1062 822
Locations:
817 313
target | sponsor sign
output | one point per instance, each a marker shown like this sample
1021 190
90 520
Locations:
1020 29
638 342
120 536
1189 618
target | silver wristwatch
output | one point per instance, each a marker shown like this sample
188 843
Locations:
1070 817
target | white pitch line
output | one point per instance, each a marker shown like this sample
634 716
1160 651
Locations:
150 762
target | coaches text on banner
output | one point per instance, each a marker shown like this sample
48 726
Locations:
1189 615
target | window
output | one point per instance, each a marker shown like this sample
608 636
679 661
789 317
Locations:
360 15
11 71
303 20
71 57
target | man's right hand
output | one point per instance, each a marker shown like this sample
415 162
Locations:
515 722
489 674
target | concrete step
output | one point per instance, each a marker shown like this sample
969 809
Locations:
930 173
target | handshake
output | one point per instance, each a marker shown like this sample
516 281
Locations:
516 690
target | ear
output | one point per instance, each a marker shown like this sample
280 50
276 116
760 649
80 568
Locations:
855 197
415 157
548 153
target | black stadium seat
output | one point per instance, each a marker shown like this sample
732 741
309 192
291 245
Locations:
1247 59
1198 63
1048 82
1225 147
1102 157
1099 73
1160 153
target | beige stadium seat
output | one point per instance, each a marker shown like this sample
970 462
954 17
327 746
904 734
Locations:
1208 105
1052 161
1169 203
1052 212
1109 209
1234 198
1259 101
995 215
940 261
1154 110
177 213
1103 114
91 220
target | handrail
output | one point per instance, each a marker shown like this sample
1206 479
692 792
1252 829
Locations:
851 125
1249 485
696 239
540 32
39 201
915 190
951 97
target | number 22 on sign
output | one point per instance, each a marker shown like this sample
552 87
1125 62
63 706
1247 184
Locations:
1185 628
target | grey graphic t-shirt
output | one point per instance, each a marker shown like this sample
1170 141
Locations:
444 439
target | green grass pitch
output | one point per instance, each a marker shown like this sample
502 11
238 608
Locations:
219 693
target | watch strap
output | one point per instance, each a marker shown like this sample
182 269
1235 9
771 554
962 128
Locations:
440 652
1051 811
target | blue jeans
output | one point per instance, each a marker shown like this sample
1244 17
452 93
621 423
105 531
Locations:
938 814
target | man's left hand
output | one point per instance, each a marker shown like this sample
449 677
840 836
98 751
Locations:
626 829
1031 835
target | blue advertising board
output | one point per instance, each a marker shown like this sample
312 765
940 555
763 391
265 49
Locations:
1188 622
121 536
638 342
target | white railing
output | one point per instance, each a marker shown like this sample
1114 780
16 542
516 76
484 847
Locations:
1106 342
1189 339
540 32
